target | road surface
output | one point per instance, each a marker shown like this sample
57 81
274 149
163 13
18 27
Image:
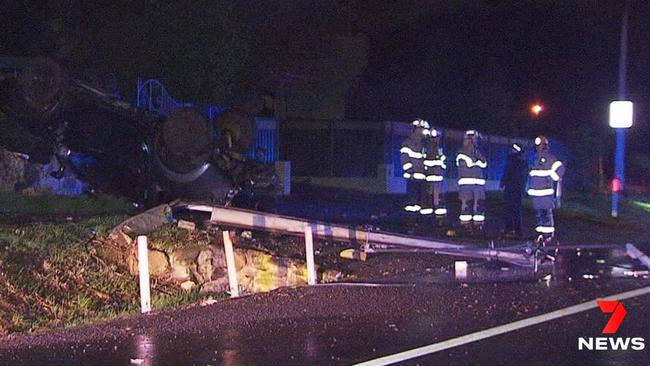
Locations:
351 323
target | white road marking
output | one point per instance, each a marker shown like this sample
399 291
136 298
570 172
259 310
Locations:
501 329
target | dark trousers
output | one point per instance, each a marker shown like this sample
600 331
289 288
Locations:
513 213
416 194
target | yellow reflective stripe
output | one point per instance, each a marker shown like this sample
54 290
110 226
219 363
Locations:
540 173
412 154
469 161
441 211
545 229
465 218
434 178
478 217
544 173
541 192
439 162
407 166
419 176
426 211
556 165
412 208
464 157
406 175
468 181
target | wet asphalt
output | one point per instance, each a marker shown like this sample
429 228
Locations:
348 323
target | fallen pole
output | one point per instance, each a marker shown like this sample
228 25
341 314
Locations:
255 220
520 259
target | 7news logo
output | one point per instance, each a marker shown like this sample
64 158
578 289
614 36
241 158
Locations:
618 312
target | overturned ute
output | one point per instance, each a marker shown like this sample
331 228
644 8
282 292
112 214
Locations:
117 148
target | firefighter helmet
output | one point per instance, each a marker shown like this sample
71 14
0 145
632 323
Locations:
541 143
472 135
435 133
421 123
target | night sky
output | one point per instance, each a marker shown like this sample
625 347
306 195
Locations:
461 64
564 54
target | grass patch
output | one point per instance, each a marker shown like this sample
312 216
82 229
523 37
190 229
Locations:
50 277
14 203
597 207
642 205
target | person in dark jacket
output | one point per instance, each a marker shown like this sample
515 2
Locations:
513 184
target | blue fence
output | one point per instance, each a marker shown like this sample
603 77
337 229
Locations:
154 97
495 149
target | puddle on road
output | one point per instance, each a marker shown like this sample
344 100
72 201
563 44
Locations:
144 352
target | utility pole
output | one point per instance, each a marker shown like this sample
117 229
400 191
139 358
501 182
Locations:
618 183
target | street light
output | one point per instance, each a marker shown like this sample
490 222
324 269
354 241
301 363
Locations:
536 109
620 116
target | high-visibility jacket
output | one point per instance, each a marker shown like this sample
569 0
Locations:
471 165
546 170
412 158
435 163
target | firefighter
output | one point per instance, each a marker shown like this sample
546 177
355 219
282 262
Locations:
545 188
513 184
434 167
471 182
412 156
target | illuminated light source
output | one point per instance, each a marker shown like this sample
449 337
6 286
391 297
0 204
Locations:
536 109
616 185
538 140
621 114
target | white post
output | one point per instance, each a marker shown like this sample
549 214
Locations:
230 263
460 269
143 271
309 249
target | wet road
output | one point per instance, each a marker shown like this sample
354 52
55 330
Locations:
350 324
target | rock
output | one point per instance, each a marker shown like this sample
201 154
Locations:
208 301
330 276
158 263
120 239
188 286
198 263
110 252
205 265
240 258
216 286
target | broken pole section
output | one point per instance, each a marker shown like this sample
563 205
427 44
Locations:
255 220
309 250
143 273
230 263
